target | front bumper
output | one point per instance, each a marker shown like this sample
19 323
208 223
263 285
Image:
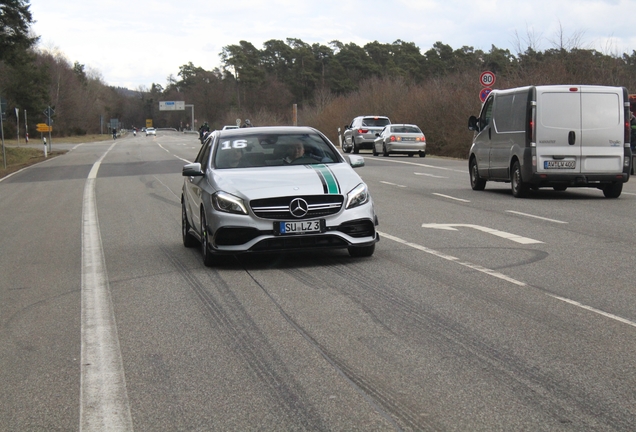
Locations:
236 234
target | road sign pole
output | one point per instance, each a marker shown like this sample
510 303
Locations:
4 155
17 123
48 111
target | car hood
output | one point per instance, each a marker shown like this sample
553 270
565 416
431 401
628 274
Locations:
256 183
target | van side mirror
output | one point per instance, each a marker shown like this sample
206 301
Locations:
472 124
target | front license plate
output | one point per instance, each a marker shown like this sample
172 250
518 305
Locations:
559 164
299 227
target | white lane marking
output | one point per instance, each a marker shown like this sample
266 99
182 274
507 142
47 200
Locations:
429 175
104 401
504 277
453 259
450 197
536 217
420 164
185 160
166 186
392 184
629 193
596 311
502 234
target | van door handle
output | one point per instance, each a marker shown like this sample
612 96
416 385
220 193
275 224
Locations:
571 138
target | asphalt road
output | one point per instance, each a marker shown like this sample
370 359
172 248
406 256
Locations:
478 311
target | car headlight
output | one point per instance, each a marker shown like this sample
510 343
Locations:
228 203
357 196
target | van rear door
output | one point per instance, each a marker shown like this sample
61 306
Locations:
558 130
579 130
602 133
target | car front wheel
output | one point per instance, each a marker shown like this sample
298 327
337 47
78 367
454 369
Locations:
188 239
354 148
205 249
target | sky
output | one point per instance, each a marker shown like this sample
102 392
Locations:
135 43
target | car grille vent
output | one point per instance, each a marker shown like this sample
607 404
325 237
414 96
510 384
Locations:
278 208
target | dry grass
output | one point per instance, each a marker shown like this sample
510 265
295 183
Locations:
19 156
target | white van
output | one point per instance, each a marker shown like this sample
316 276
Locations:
552 136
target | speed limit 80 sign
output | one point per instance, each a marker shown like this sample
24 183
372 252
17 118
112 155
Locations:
487 79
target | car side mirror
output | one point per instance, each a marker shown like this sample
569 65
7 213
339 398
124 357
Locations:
472 124
377 134
192 170
356 161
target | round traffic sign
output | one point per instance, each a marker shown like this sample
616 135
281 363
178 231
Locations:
483 94
487 78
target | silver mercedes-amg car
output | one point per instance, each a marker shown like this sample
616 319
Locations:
275 189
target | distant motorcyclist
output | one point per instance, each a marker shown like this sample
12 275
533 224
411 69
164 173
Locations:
114 133
203 131
247 123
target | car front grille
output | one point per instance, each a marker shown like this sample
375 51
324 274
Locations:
278 208
299 243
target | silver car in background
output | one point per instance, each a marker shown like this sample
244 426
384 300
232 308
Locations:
361 132
275 189
401 139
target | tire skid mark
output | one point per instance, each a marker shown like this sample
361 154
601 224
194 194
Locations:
247 340
384 399
545 391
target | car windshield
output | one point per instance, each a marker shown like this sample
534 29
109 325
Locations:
375 121
272 149
405 129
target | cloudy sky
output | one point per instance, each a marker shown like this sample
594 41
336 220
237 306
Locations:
133 43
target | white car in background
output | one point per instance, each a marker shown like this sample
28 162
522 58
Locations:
401 139
275 189
151 131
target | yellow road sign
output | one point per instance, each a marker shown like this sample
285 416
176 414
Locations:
42 127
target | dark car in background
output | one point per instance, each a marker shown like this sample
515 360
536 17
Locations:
360 133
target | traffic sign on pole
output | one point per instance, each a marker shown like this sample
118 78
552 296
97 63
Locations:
483 94
487 78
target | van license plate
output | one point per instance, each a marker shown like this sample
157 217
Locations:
299 227
559 164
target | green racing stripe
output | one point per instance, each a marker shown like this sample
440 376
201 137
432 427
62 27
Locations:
329 181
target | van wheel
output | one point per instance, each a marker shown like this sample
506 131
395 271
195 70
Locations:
613 190
476 182
519 188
